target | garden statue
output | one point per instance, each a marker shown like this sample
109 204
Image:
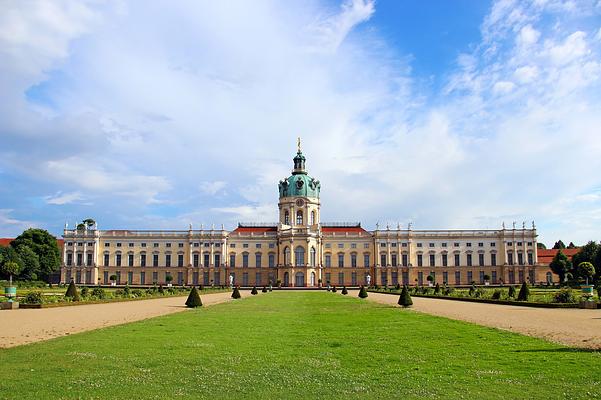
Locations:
231 280
368 280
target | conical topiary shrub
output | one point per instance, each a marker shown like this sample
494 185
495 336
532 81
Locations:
524 292
72 292
511 293
193 299
236 293
333 289
344 291
362 292
405 298
264 290
254 291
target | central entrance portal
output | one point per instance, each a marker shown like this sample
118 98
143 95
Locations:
299 279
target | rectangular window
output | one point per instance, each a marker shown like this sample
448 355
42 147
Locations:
89 259
468 244
180 260
457 277
341 278
353 245
494 277
118 260
206 259
245 260
328 260
180 278
481 277
167 260
404 258
520 259
393 260
366 245
257 245
155 261
384 278
366 260
79 259
271 260
420 278
272 245
106 277
493 259
481 259
431 244
405 278
530 259
106 260
258 279
155 245
382 244
155 277
445 277
457 260
130 260
383 260
70 259
470 277
143 260
105 245
130 277
180 245
142 278
444 260
196 244
195 259
521 276
341 245
167 244
492 244
130 244
232 260
509 258
354 279
118 244
340 260
258 260
353 260
394 278
216 260
444 244
328 278
420 261
469 260
245 245
480 244
419 245
432 260
456 244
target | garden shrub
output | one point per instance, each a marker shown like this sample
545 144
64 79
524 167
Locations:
405 298
161 290
398 286
344 291
254 291
362 292
497 294
511 293
524 292
98 293
126 291
377 287
264 290
193 300
171 290
565 296
137 293
333 289
448 291
84 291
472 291
236 293
35 297
437 289
72 292
119 293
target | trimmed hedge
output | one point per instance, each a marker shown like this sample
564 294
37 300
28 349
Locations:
193 300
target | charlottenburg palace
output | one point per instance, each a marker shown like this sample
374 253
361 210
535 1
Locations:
300 250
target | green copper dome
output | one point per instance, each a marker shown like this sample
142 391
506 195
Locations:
299 183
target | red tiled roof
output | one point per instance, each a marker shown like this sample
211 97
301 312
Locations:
343 229
545 256
258 229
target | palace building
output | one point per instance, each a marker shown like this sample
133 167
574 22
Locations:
300 250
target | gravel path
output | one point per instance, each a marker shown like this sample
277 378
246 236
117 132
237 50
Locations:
572 327
32 325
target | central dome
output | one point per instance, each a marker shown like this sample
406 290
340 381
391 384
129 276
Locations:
299 183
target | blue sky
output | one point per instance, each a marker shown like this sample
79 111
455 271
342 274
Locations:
446 114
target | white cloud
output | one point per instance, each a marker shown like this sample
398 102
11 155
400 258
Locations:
503 87
526 73
573 48
11 226
212 188
61 198
527 36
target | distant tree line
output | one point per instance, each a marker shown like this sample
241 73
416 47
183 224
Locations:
584 266
33 255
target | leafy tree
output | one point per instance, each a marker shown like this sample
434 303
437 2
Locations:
589 253
168 278
11 268
344 291
236 293
193 300
44 245
430 278
524 292
254 291
540 245
511 293
571 245
31 263
98 292
362 292
585 270
405 298
72 292
114 278
560 265
559 245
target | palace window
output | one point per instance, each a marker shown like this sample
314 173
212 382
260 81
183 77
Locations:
328 260
366 245
444 244
299 256
366 260
89 259
468 244
493 259
431 244
272 245
393 260
155 245
530 259
232 260
470 276
340 260
167 244
383 260
405 260
258 260
206 259
130 260
286 218
312 217
245 245
180 245
419 245
217 260
232 245
313 256
167 260
299 217
469 260
130 244
353 260
520 259
493 244
481 259
155 260
271 260
118 260
195 260
180 260
420 260
444 260
106 260
509 258
432 260
341 245
244 260
456 244
107 244
257 245
457 260
143 244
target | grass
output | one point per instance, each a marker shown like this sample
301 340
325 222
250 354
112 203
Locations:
299 345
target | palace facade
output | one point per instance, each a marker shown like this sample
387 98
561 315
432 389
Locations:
300 250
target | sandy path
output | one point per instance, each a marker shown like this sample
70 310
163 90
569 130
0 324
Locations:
33 325
572 327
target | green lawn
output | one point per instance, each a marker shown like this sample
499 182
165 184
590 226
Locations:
299 345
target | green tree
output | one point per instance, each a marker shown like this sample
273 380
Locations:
585 271
362 292
559 245
405 298
193 300
560 265
9 255
571 245
587 253
11 268
31 263
524 292
540 245
44 245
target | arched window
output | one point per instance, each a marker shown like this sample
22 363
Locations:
287 255
313 258
312 217
286 218
299 256
299 217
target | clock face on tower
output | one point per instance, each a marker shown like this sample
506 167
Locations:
300 202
